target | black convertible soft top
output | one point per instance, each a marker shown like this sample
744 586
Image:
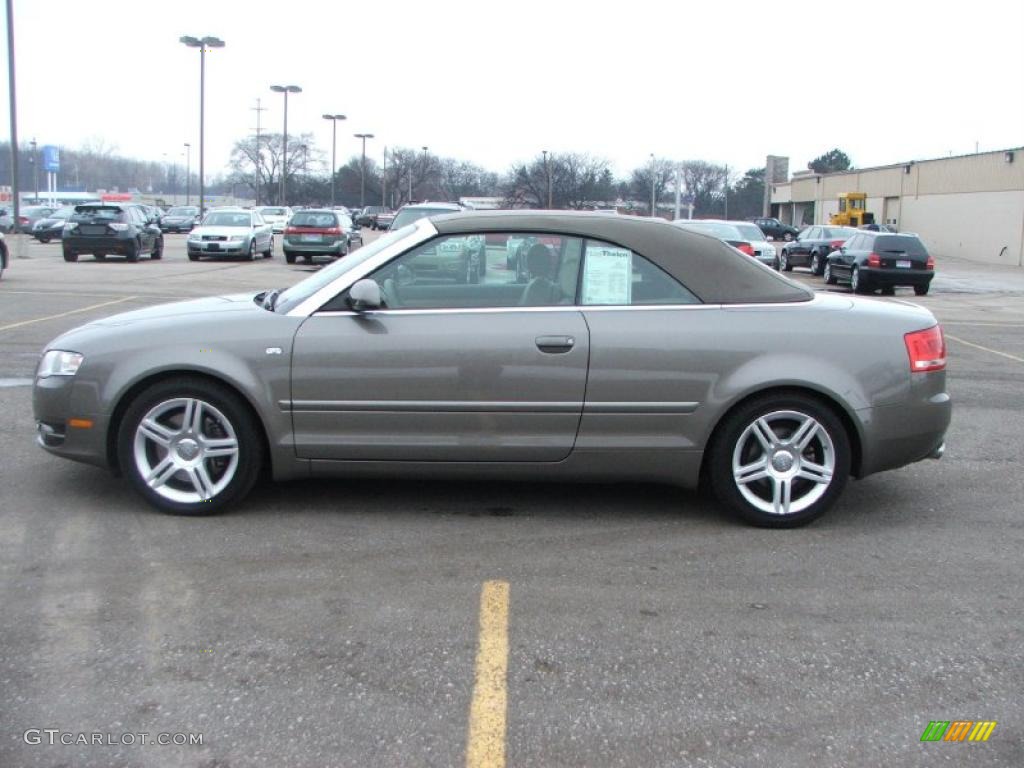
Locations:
715 272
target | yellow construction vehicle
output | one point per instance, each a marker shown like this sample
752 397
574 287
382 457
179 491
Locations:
852 210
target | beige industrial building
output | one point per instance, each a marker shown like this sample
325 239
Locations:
971 206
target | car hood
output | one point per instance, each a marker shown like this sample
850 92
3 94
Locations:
238 302
220 232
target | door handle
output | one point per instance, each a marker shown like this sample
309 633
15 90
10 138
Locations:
555 344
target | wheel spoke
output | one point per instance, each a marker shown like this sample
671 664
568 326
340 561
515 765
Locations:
192 421
782 490
226 446
816 473
748 473
157 432
764 434
200 480
804 434
161 473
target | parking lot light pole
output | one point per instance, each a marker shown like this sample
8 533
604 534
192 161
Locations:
202 44
285 89
334 149
547 172
654 202
188 173
362 169
34 160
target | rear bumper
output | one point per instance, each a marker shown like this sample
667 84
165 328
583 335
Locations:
100 244
888 276
901 434
325 249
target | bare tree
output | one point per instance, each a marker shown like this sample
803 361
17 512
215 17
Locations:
576 179
265 162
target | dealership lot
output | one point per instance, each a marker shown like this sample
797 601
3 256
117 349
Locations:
337 622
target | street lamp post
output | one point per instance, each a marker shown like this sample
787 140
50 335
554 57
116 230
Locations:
362 169
35 168
426 164
547 172
285 89
334 149
188 173
384 181
202 44
654 202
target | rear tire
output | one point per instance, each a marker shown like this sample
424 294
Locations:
857 285
784 261
269 253
289 257
780 460
251 255
788 237
158 249
68 256
921 290
213 482
830 279
133 252
816 265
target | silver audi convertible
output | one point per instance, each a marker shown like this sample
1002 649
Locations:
620 349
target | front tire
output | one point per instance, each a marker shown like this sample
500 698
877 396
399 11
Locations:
788 237
158 249
269 253
68 256
251 255
857 284
784 262
816 266
190 446
780 460
830 279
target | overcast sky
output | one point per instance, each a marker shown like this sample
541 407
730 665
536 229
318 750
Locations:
496 82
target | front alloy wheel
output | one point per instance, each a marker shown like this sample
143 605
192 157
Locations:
781 461
189 446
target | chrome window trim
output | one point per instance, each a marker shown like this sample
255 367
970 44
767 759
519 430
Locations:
486 406
425 230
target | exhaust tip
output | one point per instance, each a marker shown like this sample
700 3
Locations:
937 453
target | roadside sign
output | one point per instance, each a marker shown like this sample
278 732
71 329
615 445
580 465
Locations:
51 158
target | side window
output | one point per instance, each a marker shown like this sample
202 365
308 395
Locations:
614 276
854 243
497 269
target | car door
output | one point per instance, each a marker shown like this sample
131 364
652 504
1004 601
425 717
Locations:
447 370
802 245
654 355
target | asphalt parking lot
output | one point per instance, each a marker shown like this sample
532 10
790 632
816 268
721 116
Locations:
342 622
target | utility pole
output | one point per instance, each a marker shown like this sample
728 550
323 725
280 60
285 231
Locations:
678 193
15 202
34 161
384 181
547 173
727 192
362 169
188 173
425 163
258 109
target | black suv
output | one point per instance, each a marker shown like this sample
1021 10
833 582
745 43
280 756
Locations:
872 260
102 228
776 230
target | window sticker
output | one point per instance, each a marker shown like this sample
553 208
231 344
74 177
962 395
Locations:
607 277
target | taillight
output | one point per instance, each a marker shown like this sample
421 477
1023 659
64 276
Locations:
930 264
836 244
874 260
23 219
332 231
291 231
926 349
746 248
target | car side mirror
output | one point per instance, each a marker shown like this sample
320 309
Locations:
364 295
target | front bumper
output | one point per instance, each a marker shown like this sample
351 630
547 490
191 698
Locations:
890 276
55 401
217 248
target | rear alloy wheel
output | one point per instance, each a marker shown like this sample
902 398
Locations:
788 237
189 446
857 285
780 461
830 279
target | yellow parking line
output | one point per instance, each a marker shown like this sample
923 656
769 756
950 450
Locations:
64 314
485 744
986 349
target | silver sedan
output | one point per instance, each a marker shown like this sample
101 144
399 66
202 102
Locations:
229 232
626 349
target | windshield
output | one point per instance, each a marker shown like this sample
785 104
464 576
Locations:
62 213
839 233
225 219
314 219
98 214
299 292
723 231
273 211
409 215
182 212
750 232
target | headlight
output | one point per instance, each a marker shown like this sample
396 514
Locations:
194 238
57 362
770 250
236 239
